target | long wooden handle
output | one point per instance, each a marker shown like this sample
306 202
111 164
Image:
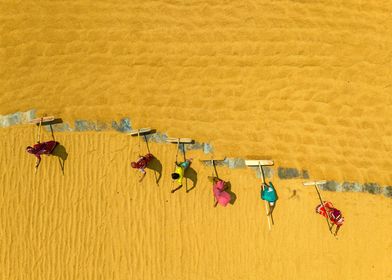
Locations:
262 174
39 131
148 149
178 147
138 136
214 170
145 139
322 203
265 202
183 151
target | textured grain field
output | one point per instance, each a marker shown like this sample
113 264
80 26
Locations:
306 83
94 221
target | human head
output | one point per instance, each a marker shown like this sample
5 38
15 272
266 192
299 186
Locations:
30 150
175 176
133 164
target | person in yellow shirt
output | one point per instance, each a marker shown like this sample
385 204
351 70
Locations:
178 173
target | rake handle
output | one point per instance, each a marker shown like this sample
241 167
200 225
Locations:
265 202
39 130
178 147
322 203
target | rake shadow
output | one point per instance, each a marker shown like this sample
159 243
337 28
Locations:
61 153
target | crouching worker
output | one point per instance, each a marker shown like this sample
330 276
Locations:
44 148
141 164
179 172
219 190
333 214
268 193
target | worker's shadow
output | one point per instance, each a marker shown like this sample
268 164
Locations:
61 153
233 196
156 166
190 174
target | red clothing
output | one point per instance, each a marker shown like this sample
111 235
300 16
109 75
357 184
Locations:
45 148
334 215
142 162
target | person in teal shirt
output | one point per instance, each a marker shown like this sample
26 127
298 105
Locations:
268 193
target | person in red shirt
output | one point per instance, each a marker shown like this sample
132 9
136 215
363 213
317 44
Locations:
333 214
44 148
142 163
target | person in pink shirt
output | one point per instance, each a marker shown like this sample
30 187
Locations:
219 190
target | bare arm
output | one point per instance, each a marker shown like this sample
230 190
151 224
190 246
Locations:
38 161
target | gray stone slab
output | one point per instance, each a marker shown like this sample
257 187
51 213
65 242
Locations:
217 163
29 115
388 191
351 187
193 146
235 163
124 125
83 125
288 173
332 186
59 127
207 149
16 118
11 119
372 188
157 137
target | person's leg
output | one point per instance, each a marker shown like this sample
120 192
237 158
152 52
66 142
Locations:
143 174
176 189
337 229
271 207
38 160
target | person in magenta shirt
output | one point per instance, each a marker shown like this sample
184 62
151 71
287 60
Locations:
219 190
334 215
44 148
